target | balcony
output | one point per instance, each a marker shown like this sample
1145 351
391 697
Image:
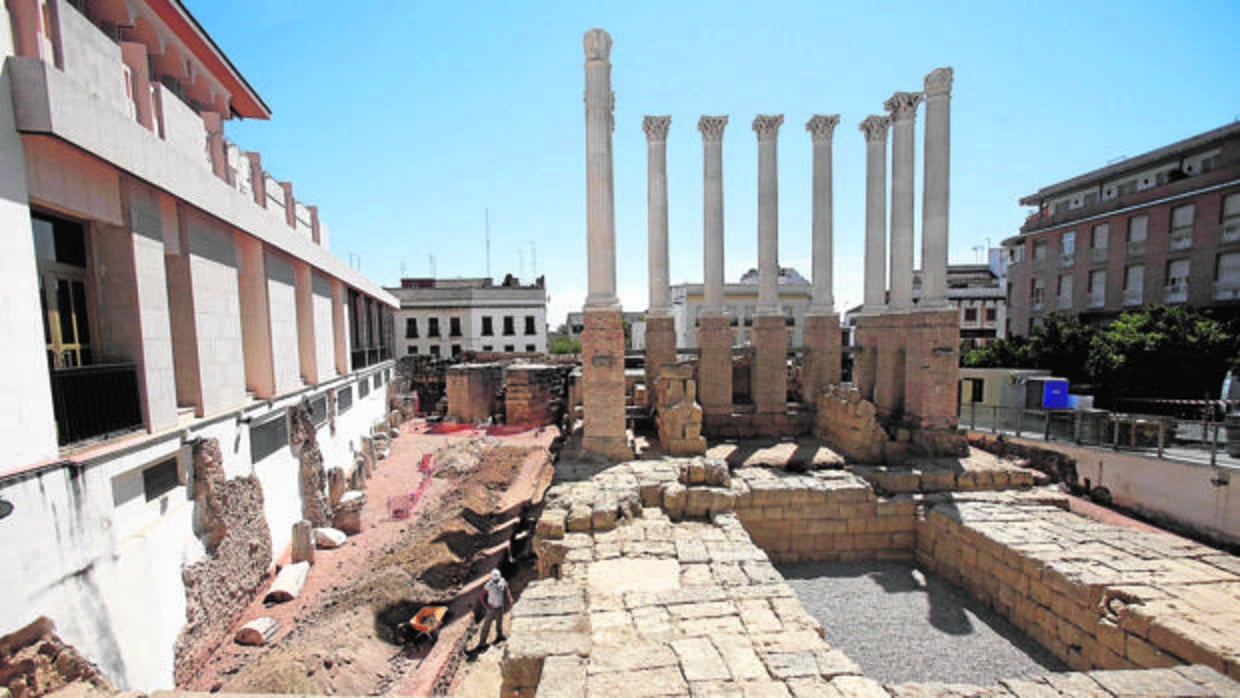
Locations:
1097 299
1175 293
1132 296
1181 239
1135 248
1064 301
95 401
1067 259
1098 255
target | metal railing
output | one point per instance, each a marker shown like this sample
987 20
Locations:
94 401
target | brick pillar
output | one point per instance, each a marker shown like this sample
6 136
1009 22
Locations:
602 358
932 368
660 350
821 364
769 379
715 367
865 359
890 339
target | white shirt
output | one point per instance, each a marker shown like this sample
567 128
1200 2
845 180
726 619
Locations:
496 589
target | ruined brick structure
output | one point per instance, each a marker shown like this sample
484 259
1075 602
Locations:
312 475
474 391
534 394
34 661
678 414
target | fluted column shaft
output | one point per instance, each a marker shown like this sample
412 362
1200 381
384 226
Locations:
767 128
875 130
600 192
822 129
937 188
656 192
903 108
712 214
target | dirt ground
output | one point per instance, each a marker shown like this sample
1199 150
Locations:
337 637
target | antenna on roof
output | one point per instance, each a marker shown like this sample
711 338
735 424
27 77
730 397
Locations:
533 260
520 262
488 231
431 257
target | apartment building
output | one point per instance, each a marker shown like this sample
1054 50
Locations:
161 290
446 317
1161 227
740 301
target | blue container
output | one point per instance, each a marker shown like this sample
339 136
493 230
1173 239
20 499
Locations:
1055 394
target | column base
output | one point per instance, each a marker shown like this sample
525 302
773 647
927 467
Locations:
660 350
821 365
602 377
890 340
932 364
769 371
715 364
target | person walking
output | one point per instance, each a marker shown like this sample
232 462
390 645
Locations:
496 597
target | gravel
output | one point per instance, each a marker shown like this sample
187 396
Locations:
901 624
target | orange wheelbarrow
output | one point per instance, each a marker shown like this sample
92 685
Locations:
425 623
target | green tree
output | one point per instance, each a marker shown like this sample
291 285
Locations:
563 344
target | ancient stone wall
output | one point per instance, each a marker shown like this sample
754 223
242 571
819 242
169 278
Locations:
474 391
679 416
34 661
1098 596
855 427
425 375
534 395
312 476
230 521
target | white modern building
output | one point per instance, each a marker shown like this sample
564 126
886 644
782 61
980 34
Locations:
741 302
446 317
164 295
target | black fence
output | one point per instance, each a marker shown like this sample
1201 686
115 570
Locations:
94 401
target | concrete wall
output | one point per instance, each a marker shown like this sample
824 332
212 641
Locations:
324 344
27 425
282 299
92 59
91 552
217 314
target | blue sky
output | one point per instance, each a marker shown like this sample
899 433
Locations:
405 121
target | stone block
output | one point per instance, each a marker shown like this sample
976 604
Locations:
257 632
348 513
551 524
674 500
328 538
303 542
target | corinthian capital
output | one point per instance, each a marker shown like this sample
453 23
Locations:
712 128
939 83
656 128
767 126
822 127
875 128
903 105
598 45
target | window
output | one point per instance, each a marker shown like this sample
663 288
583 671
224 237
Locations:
509 326
991 315
432 327
318 410
970 314
1137 228
412 349
1039 254
488 329
1134 284
454 327
530 348
1231 218
1064 290
434 350
789 319
456 350
1100 236
268 437
161 478
1037 292
344 399
1067 244
509 348
1176 290
488 347
529 325
1181 236
1129 187
363 388
411 328
1227 276
977 389
1098 288
60 249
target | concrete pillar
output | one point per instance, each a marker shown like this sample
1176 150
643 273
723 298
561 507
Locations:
714 335
712 213
821 365
600 201
769 374
875 130
290 205
135 56
602 341
903 108
214 125
660 325
767 128
822 130
258 181
936 189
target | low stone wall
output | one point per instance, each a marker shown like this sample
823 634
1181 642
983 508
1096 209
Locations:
473 391
748 424
533 394
1098 596
853 427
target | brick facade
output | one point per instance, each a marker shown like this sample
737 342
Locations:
602 366
769 371
821 365
660 349
715 365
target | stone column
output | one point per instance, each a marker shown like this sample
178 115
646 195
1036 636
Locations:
821 335
936 189
875 130
714 335
865 361
903 108
769 374
660 325
602 340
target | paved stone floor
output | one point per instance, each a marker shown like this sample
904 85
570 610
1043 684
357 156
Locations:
901 624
